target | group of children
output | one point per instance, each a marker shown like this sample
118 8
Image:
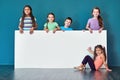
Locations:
28 22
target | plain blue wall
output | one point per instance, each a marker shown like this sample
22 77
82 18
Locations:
79 10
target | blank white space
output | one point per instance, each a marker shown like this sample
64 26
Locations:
60 50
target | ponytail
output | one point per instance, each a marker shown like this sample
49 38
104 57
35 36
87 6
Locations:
100 20
102 48
104 53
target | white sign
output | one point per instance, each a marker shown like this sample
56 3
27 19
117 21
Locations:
60 50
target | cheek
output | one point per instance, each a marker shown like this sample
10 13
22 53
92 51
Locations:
67 23
52 18
27 11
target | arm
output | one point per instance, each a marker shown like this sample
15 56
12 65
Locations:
100 30
20 29
90 51
57 28
33 28
46 29
105 64
88 27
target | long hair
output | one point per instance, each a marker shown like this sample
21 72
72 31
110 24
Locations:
100 20
102 48
47 17
24 15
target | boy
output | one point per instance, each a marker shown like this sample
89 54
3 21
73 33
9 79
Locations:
67 24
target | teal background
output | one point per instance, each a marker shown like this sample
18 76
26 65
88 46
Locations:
78 10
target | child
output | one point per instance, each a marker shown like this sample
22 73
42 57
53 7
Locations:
97 62
51 25
96 22
27 21
67 24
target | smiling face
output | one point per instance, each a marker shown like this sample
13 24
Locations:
67 23
96 12
51 18
98 51
27 10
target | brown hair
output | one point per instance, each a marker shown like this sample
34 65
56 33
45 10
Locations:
100 20
47 19
31 15
69 18
102 48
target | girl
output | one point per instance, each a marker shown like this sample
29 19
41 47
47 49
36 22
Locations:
67 24
95 23
97 62
27 21
51 25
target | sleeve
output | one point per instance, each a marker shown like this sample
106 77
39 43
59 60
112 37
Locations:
20 19
20 22
35 19
88 23
45 25
56 24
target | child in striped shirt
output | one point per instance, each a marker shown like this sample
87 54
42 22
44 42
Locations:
27 21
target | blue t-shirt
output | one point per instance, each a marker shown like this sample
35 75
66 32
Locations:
65 29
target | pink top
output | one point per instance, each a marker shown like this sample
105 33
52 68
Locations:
98 62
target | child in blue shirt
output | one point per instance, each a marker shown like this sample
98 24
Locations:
67 24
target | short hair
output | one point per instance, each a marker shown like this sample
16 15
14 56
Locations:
69 18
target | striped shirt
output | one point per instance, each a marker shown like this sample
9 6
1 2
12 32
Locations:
27 23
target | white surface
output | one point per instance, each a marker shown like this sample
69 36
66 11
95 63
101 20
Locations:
59 50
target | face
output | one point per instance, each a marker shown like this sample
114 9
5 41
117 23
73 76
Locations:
96 12
50 18
98 51
67 22
27 10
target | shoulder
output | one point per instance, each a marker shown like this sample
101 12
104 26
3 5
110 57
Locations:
55 23
70 28
20 18
35 18
102 56
61 27
90 19
45 24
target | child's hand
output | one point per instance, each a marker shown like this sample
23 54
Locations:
89 48
46 30
54 30
100 31
83 30
21 31
31 30
90 30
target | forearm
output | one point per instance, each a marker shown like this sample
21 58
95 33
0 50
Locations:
58 28
20 28
87 27
101 28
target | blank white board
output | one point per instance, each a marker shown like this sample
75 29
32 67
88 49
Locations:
60 50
